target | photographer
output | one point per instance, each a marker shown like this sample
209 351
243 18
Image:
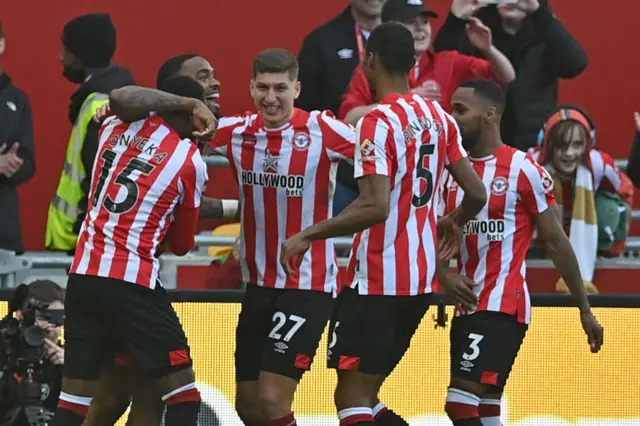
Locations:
48 372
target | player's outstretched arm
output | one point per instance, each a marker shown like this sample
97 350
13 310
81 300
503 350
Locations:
215 208
369 209
563 257
475 194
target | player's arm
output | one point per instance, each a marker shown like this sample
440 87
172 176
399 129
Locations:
475 194
216 208
181 234
535 187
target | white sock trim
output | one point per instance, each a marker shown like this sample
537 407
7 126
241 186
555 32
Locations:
379 407
490 421
78 400
489 402
355 411
462 397
177 391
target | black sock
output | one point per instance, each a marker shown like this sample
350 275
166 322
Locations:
386 417
183 408
66 417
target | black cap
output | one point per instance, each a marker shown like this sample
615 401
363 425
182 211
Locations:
91 38
405 10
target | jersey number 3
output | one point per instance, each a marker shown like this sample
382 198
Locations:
123 179
424 174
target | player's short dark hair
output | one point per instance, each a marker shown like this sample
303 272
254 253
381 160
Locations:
394 45
172 66
182 85
46 291
276 61
488 90
1 30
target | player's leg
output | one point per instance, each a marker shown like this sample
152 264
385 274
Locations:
251 336
410 311
299 317
489 409
362 332
148 328
87 349
484 347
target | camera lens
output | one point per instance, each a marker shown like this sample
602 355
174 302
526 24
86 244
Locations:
34 336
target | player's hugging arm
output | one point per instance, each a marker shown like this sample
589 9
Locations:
132 103
215 208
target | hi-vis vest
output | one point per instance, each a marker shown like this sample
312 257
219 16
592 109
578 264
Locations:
64 209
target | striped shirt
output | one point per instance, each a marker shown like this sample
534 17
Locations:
410 140
496 242
142 172
286 177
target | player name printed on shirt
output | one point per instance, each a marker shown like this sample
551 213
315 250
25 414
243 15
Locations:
410 140
143 171
496 242
287 177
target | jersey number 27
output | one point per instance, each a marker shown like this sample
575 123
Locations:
124 179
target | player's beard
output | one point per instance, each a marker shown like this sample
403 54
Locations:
469 140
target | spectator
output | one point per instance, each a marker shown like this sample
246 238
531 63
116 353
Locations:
332 51
50 372
436 75
540 49
17 158
89 42
633 166
225 273
585 178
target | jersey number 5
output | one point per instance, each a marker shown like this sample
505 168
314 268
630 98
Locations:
124 179
424 174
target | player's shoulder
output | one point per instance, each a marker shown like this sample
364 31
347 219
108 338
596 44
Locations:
327 118
244 120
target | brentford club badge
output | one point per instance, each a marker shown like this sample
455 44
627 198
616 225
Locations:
499 186
301 141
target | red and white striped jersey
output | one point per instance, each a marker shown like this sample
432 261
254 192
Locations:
495 243
410 140
287 178
142 172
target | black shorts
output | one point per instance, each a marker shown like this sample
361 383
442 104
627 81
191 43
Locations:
484 346
279 331
371 334
105 317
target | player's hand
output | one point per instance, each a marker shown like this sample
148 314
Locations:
429 90
54 353
450 236
479 34
636 116
461 289
204 121
464 9
292 252
9 161
102 113
594 330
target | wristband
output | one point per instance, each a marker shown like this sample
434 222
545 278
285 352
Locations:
230 209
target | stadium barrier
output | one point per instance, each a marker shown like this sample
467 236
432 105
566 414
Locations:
556 381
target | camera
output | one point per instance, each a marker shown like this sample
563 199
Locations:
22 349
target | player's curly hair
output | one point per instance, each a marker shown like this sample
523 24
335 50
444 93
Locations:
394 45
172 66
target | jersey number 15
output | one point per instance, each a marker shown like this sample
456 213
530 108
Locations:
124 179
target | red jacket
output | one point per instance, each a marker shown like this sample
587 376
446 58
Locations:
448 69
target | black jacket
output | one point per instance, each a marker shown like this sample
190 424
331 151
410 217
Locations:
541 52
16 125
324 72
101 81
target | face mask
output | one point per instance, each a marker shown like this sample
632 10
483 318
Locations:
74 75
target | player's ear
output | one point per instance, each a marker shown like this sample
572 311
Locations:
2 45
491 114
298 88
251 86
